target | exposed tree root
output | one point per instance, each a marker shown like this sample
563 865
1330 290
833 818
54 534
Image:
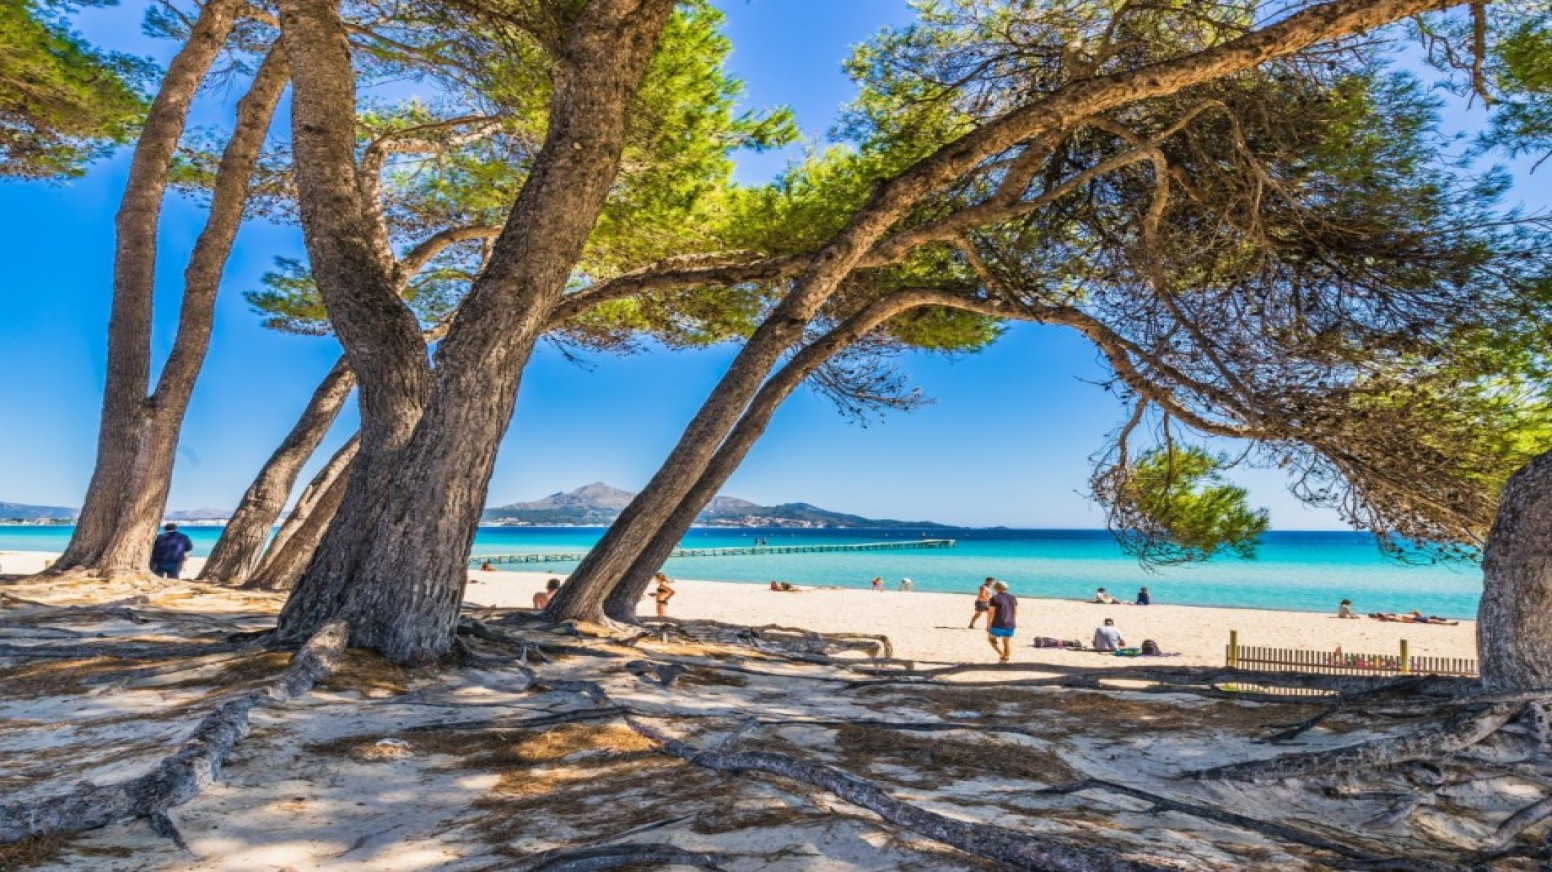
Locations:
121 651
1432 743
1011 848
632 855
1518 823
1358 857
181 776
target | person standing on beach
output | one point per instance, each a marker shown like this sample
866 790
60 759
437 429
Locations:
878 583
982 598
664 593
169 551
1004 620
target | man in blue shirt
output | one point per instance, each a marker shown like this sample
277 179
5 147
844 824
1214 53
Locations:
169 552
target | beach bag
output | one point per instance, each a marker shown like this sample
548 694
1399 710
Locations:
1073 644
1047 642
1150 648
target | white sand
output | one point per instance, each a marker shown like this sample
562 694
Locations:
932 626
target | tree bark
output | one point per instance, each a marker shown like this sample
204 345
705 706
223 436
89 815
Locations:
621 598
146 499
1514 619
631 534
298 538
237 553
125 413
394 556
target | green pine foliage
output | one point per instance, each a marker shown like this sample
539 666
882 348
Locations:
63 103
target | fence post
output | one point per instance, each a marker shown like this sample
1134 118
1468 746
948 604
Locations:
1233 649
1406 662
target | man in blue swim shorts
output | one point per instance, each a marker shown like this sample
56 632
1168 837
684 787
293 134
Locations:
999 632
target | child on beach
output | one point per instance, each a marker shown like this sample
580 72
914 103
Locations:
878 583
982 599
1103 598
1345 609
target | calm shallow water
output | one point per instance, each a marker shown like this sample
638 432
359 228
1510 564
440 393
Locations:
1294 570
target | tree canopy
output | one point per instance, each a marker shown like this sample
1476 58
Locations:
62 101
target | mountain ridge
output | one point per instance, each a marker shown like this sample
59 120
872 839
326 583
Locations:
598 504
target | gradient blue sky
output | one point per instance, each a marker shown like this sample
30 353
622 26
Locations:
1007 441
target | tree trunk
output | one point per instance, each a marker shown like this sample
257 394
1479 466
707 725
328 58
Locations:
125 413
630 535
394 556
129 549
238 551
297 540
1514 620
621 601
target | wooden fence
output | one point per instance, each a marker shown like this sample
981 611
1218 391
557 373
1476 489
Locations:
1338 662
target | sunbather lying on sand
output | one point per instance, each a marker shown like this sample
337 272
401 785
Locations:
1414 617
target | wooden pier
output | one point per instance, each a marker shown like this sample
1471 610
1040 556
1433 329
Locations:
740 551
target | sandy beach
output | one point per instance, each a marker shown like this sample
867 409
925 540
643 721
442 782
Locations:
932 627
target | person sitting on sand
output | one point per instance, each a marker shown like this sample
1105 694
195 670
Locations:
907 585
1345 609
486 567
1143 598
664 593
541 600
1103 598
983 598
1107 638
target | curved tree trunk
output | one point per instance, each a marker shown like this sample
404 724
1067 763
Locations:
1514 620
622 600
125 412
631 533
299 538
394 556
237 553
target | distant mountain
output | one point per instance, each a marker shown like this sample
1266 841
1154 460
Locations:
20 511
599 504
200 515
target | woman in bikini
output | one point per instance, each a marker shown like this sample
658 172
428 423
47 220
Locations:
664 593
983 598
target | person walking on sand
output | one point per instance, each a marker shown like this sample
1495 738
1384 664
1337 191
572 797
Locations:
169 551
1107 637
983 598
664 593
1004 620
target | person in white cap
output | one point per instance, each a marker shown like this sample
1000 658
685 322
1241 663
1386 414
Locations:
907 584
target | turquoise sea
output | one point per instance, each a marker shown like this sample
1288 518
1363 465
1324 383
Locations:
1304 571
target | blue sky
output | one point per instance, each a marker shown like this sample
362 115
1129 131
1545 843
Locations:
1007 441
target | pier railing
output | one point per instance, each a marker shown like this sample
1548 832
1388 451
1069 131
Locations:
738 551
1338 662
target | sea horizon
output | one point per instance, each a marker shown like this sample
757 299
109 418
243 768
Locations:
1294 570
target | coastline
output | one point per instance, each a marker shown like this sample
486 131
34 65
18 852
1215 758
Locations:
930 627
